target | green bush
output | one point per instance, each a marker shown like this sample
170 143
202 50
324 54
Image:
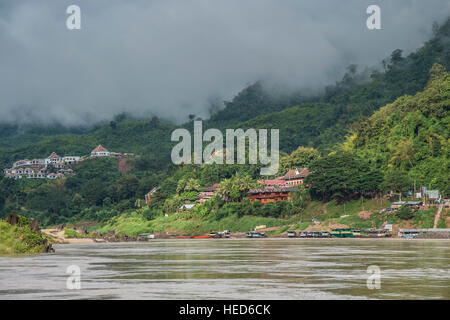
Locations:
405 213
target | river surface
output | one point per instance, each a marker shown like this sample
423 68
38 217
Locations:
234 269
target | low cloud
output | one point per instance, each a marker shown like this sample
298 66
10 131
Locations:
171 58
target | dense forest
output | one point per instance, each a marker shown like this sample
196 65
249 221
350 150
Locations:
374 131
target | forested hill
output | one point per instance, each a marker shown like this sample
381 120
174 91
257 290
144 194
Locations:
406 140
150 139
411 135
320 121
323 120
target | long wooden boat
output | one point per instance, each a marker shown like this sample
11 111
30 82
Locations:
253 234
203 237
291 234
342 233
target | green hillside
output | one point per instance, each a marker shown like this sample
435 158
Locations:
404 142
323 120
411 134
151 138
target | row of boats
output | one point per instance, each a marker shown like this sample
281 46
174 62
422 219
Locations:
334 233
211 235
341 233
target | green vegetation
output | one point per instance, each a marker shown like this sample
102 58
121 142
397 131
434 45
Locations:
409 138
20 239
195 222
371 133
405 213
342 176
184 223
71 233
425 218
323 120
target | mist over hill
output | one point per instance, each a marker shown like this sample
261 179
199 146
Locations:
175 58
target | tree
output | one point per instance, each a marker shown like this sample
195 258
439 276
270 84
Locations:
397 181
188 185
405 213
236 188
342 176
396 56
93 191
403 153
167 188
155 120
126 187
299 158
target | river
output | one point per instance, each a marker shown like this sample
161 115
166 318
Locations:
234 269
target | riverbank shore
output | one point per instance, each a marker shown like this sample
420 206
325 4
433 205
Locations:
21 236
58 237
74 241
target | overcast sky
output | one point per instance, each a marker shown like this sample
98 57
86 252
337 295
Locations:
170 57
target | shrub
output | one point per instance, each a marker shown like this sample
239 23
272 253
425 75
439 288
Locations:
405 213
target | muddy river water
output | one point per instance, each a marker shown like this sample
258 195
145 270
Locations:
234 269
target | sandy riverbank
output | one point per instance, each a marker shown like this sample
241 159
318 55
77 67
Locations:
59 237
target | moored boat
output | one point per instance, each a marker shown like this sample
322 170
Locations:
342 233
203 237
214 234
254 234
357 234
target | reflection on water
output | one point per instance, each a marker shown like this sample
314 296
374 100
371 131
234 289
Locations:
234 269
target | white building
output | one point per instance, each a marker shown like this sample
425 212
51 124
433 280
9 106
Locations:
53 176
53 158
71 159
13 176
37 162
28 171
100 152
37 175
21 163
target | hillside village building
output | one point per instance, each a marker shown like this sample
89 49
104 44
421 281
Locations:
293 177
207 193
271 194
280 188
100 152
149 195
39 168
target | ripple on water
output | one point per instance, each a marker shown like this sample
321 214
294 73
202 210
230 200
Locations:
233 269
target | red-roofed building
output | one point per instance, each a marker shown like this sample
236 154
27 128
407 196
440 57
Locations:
14 176
100 152
295 176
207 193
274 182
149 195
53 158
271 194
